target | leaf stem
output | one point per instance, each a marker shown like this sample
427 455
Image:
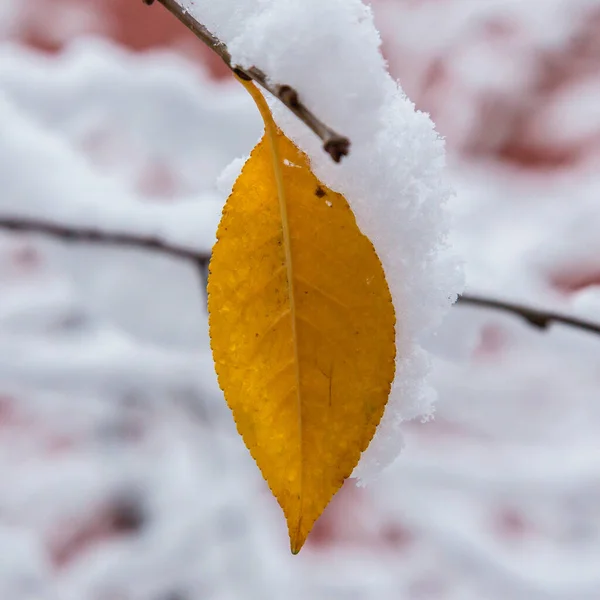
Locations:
334 144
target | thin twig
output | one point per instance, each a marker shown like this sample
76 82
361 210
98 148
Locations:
106 238
334 144
541 319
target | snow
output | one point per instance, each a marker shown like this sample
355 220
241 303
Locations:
393 178
107 389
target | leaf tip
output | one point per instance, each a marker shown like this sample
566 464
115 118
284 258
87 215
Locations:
296 543
298 535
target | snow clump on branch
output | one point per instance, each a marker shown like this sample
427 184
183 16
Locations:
393 179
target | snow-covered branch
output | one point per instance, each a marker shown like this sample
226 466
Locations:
538 318
334 144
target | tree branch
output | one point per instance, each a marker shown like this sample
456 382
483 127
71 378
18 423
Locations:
541 319
334 144
68 233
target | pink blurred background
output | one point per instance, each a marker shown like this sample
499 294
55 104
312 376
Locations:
515 89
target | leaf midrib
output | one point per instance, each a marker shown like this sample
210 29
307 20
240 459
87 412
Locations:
271 132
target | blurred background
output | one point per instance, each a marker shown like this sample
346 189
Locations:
121 476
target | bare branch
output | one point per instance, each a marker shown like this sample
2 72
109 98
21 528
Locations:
541 319
106 238
334 144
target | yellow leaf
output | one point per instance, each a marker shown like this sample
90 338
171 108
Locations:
302 327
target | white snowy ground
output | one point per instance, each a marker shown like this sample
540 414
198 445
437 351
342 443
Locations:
107 393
